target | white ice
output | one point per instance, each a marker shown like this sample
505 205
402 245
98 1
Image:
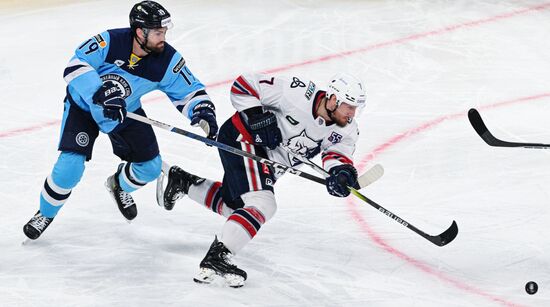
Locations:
425 63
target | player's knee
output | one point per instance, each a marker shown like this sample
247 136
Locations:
149 170
263 200
68 169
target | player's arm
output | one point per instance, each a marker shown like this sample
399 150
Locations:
81 71
254 95
337 161
189 96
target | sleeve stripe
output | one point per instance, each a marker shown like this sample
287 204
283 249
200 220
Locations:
243 85
199 93
191 96
236 90
71 69
336 156
76 68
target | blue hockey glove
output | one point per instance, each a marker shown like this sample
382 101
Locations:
204 115
264 130
109 96
342 176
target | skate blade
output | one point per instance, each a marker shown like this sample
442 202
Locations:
205 276
234 281
208 276
160 188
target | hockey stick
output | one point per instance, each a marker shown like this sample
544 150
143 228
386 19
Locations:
370 176
441 240
489 138
225 147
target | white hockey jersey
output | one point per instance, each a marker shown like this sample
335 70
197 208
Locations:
294 101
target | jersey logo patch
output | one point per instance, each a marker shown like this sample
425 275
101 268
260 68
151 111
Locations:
335 138
304 146
310 90
291 120
178 66
120 82
119 63
297 83
133 62
101 41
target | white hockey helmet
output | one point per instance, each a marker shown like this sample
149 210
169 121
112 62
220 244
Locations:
348 89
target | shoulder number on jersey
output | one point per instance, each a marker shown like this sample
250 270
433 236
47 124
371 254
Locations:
99 42
270 81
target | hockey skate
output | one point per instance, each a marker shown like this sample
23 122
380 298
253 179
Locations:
36 226
123 199
178 185
217 262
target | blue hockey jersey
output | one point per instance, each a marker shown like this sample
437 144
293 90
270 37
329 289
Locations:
107 56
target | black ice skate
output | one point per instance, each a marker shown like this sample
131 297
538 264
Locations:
123 199
218 262
36 226
178 185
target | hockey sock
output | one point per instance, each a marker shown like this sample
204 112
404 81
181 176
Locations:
134 175
65 175
244 223
208 194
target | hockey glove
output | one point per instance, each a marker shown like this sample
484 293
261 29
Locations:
204 115
264 130
109 96
341 177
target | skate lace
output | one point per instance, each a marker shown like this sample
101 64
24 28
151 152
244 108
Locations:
126 199
40 223
178 195
227 258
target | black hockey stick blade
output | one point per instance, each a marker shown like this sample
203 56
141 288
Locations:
490 139
445 237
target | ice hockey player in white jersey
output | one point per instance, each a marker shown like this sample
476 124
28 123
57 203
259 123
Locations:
272 113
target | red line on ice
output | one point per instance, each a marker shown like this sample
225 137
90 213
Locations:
356 212
412 37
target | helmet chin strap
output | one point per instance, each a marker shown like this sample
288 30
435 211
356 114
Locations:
330 112
143 44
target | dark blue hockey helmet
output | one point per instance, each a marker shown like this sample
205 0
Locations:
149 15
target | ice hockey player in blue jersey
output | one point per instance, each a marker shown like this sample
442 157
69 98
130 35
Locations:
106 78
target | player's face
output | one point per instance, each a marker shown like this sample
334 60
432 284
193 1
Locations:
156 39
343 114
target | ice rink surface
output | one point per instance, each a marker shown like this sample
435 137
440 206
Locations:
425 63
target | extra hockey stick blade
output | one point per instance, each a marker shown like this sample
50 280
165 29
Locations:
440 240
445 237
490 139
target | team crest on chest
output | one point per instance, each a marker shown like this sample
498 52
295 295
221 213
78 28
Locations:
304 146
120 82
